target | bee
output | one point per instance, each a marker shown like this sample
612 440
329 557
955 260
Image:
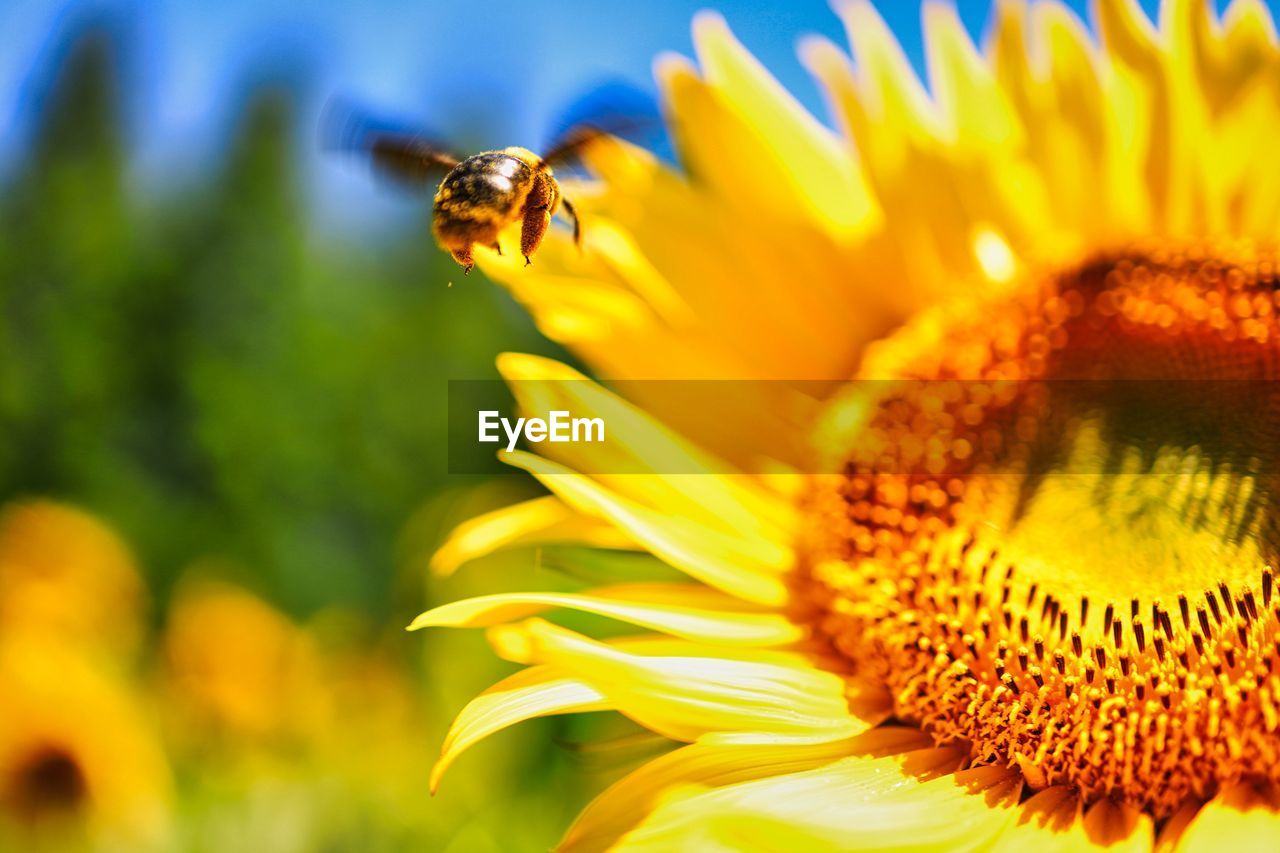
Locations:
481 195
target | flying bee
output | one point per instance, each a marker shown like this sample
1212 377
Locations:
488 191
482 194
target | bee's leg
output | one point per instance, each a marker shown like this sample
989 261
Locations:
536 220
577 224
463 256
537 216
497 247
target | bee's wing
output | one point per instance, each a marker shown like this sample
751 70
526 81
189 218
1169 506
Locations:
410 158
569 147
611 109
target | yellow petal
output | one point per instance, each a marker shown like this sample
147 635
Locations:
1242 819
685 698
1249 45
629 800
534 692
1120 828
970 103
747 569
573 309
718 146
1142 108
1050 821
1174 828
685 610
733 327
615 246
798 656
818 166
890 92
534 522
1063 113
681 478
651 295
1127 34
969 158
906 802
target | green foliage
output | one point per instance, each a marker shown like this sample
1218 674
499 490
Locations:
209 373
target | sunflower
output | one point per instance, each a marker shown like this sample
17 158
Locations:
65 573
949 639
79 762
236 666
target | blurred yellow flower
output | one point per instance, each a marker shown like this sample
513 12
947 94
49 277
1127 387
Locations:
64 572
78 757
237 666
1069 666
234 664
312 719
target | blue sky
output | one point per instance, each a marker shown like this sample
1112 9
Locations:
504 67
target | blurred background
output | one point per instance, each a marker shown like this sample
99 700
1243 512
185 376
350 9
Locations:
223 357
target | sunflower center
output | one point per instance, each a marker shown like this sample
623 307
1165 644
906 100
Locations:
1053 530
48 782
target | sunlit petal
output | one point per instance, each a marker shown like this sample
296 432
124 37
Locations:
533 692
686 697
688 611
